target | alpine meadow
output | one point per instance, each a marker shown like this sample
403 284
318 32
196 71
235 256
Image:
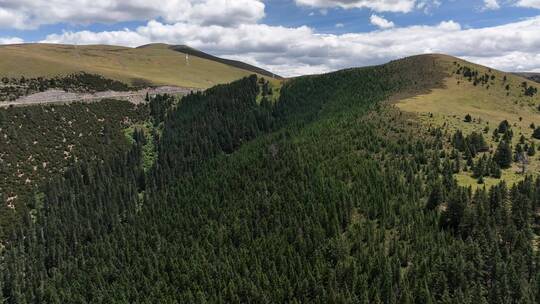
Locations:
164 174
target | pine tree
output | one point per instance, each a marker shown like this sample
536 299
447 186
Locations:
531 151
495 169
435 197
480 180
457 202
504 126
503 155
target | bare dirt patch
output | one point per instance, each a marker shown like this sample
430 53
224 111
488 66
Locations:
55 96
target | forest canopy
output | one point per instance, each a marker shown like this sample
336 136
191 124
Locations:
329 195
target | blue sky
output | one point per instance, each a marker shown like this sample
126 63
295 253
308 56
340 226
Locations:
324 20
466 12
292 36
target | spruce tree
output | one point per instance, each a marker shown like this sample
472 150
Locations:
435 197
504 126
495 170
531 151
503 155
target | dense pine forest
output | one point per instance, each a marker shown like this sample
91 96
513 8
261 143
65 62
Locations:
40 142
328 195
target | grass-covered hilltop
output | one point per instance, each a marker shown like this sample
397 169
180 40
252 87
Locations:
501 110
410 182
31 68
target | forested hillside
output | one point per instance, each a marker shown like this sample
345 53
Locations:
328 195
40 142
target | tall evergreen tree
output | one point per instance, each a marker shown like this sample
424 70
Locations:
503 155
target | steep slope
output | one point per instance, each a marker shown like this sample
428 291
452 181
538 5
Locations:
330 195
133 66
39 143
489 97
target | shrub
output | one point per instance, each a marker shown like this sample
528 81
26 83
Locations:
536 133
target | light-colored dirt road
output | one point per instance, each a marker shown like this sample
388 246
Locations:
61 97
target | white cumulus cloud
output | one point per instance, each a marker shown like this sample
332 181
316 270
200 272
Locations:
402 6
491 5
381 22
294 51
10 40
529 3
30 14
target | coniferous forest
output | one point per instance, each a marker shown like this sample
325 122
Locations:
328 195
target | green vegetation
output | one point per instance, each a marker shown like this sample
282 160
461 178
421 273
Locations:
269 91
12 88
329 195
155 65
475 100
503 155
144 134
147 134
38 143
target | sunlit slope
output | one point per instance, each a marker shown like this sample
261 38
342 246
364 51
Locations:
157 65
501 97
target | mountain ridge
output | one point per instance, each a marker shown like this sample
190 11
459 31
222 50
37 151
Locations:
152 65
186 49
530 75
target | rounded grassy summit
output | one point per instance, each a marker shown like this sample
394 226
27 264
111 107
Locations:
153 64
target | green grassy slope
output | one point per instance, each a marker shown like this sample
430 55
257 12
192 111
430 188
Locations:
238 64
501 98
156 64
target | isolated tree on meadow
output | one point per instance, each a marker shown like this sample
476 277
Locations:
504 126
